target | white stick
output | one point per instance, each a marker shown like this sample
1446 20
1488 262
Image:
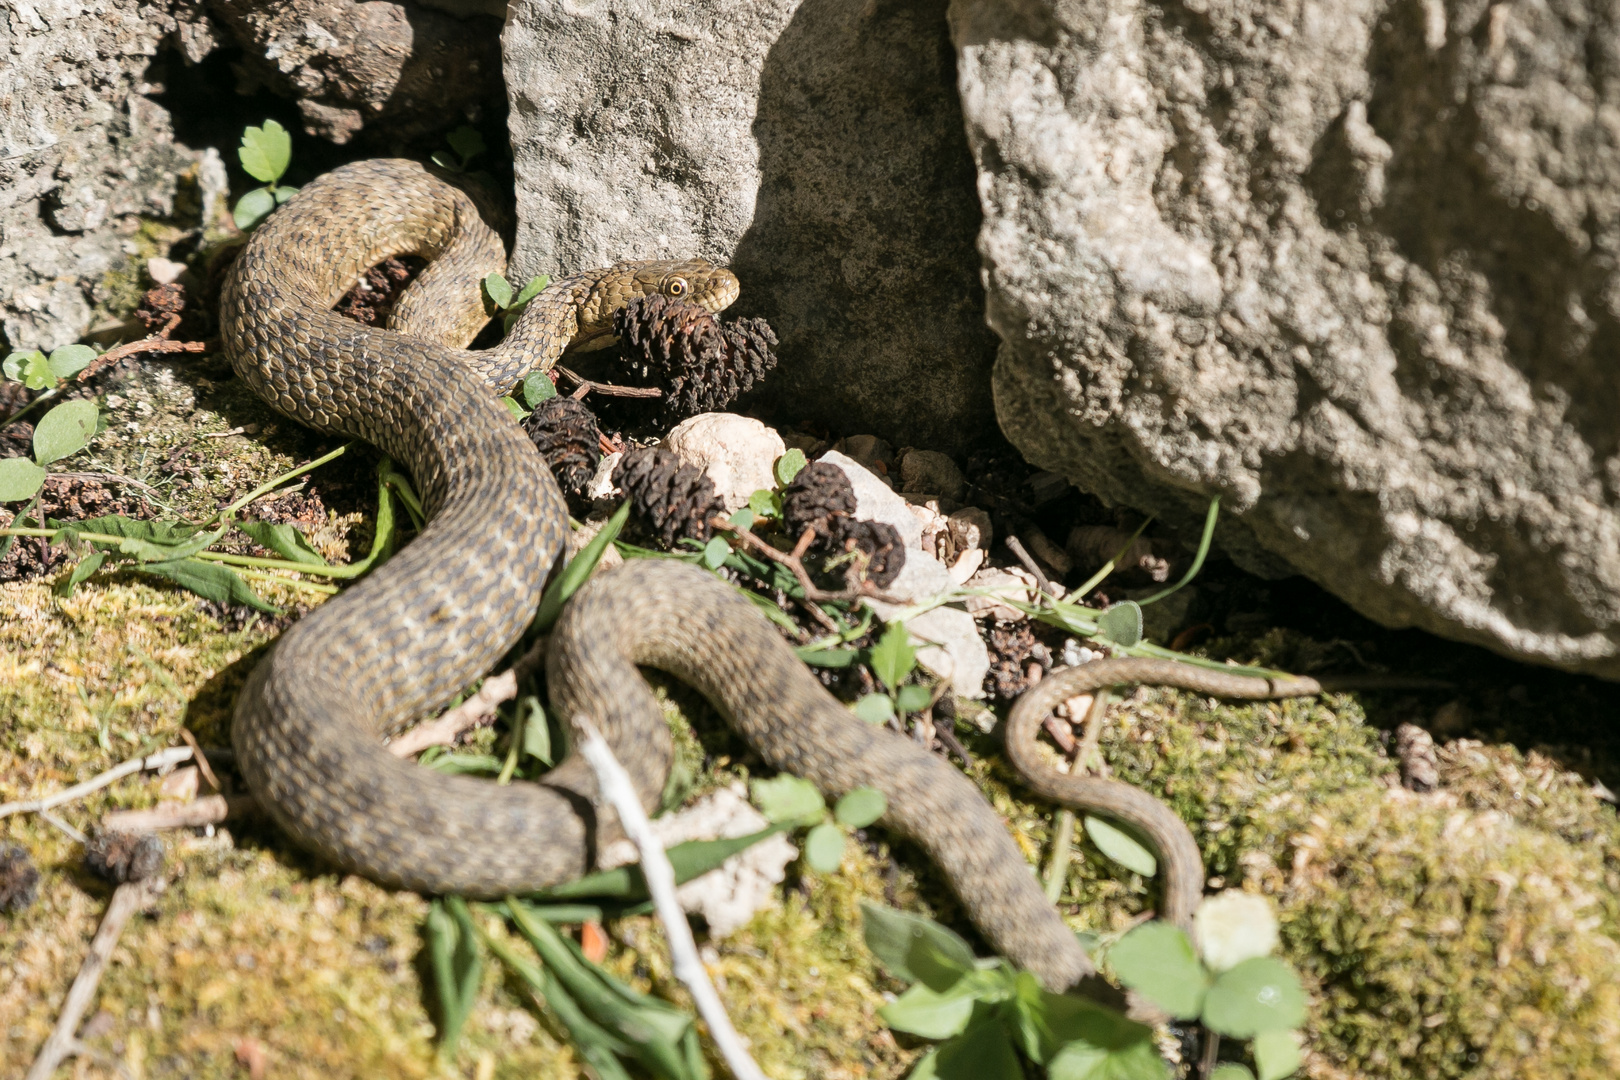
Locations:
618 790
470 713
161 759
127 899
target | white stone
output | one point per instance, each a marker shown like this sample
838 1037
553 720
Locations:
1011 583
164 271
957 653
729 895
601 485
738 453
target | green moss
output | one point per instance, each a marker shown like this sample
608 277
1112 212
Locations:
1447 943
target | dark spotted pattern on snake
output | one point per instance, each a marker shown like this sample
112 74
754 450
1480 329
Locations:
310 720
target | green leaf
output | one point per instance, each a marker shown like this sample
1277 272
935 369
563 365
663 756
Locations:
534 288
893 658
265 151
1276 1054
498 290
445 161
1258 995
537 388
457 964
930 1015
1231 1070
284 540
982 1052
466 142
788 800
462 764
690 859
19 479
788 466
766 504
914 948
743 518
518 411
536 730
824 848
211 581
86 566
914 698
578 570
1157 960
1079 1038
1121 846
253 208
715 552
860 807
70 360
64 431
830 658
180 547
282 194
1121 624
1198 560
875 709
30 368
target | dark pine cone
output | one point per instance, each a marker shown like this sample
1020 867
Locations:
121 857
565 433
672 499
700 364
819 498
881 544
19 881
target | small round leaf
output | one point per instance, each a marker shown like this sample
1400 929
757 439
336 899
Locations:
1276 1054
1121 847
70 360
1122 623
1258 995
914 698
788 466
824 848
537 388
861 807
19 479
715 552
253 208
1156 959
875 709
64 430
498 289
788 800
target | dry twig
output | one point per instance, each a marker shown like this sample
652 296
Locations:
472 712
129 898
204 810
162 759
617 788
587 386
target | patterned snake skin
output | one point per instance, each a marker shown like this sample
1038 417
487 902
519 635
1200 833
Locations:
400 643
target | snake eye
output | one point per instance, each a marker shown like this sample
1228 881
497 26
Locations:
676 287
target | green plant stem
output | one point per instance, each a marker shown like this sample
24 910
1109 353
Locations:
1108 567
50 393
1198 560
273 483
516 749
277 579
1057 867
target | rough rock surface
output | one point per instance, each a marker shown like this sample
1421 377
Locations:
816 145
1350 265
82 155
737 453
349 63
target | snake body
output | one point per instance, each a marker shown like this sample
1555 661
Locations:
309 720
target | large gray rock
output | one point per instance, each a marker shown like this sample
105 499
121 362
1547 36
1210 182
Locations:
1351 265
817 146
83 155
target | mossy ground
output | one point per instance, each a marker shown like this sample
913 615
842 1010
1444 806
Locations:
1466 932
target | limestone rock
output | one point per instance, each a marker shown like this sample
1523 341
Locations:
1351 266
737 452
83 154
932 472
350 63
816 145
957 651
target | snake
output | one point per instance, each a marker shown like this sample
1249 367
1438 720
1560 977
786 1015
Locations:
310 721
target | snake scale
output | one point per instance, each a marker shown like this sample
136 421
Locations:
310 720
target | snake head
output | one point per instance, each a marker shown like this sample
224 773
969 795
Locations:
694 280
